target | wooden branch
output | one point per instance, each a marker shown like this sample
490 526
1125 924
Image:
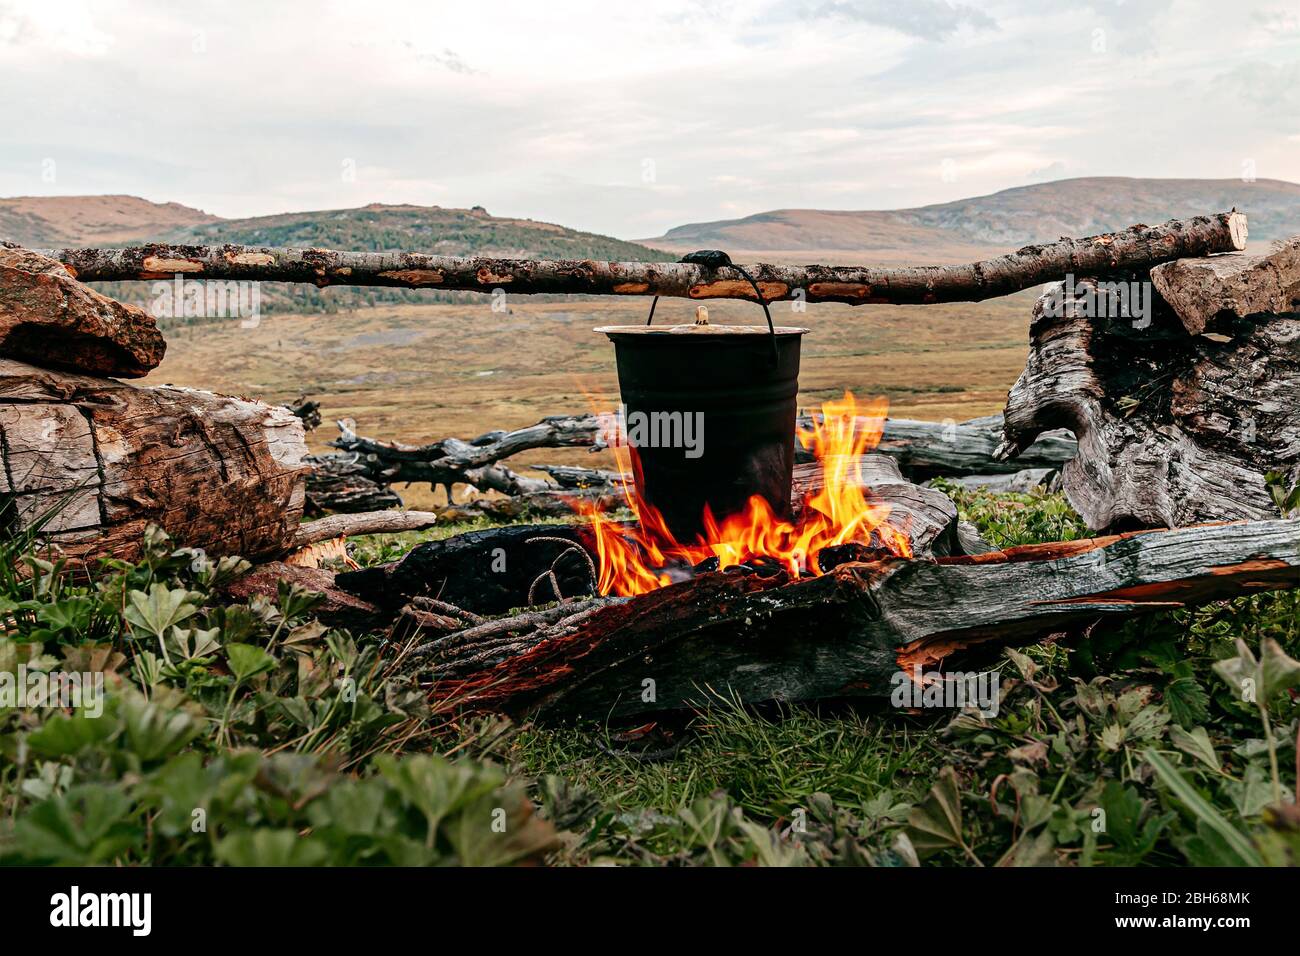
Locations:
847 633
1138 247
343 482
453 460
370 522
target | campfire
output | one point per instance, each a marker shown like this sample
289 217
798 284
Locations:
837 521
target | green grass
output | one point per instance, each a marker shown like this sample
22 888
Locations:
246 733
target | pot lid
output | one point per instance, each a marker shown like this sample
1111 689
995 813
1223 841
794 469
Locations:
706 331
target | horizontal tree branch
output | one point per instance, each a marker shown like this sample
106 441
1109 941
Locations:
1138 247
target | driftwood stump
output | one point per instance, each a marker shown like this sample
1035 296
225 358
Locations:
1174 428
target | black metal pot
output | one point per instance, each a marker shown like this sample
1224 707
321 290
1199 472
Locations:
740 387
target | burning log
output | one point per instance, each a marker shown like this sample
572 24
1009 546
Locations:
1174 428
492 571
860 630
483 572
1138 247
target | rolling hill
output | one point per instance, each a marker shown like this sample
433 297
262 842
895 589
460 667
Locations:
51 221
985 225
123 220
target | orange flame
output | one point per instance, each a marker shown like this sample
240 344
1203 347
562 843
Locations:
641 557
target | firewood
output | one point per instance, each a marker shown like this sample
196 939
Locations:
370 522
339 482
483 572
1174 429
49 318
357 480
1135 248
453 460
90 462
492 571
1209 293
852 632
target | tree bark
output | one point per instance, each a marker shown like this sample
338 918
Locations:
1138 247
340 482
861 630
1174 429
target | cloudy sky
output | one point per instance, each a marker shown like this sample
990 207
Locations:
631 117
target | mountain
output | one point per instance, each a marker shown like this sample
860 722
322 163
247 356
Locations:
968 229
431 229
46 222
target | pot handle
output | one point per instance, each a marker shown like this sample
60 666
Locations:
713 259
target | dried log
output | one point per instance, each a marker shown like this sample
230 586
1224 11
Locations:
557 503
1138 247
453 460
370 522
1209 294
491 571
90 462
341 482
49 318
1173 429
936 449
353 481
848 633
1021 482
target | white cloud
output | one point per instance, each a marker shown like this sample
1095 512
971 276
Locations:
554 110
